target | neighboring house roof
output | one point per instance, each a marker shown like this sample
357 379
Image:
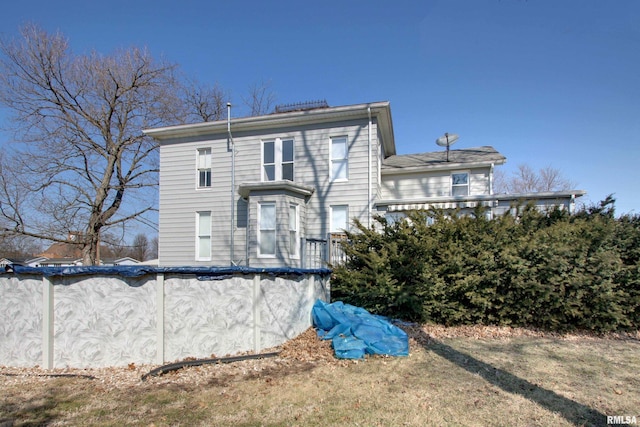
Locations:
465 157
62 250
71 254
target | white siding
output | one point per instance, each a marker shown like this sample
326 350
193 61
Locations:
433 184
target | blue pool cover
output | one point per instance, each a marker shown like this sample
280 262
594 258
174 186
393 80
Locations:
355 332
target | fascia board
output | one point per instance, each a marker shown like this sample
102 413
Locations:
443 166
276 120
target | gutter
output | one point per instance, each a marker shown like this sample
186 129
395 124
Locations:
427 168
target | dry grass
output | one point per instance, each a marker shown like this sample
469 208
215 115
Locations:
454 376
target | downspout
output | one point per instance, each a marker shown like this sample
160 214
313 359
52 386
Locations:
248 233
493 202
233 183
491 180
369 174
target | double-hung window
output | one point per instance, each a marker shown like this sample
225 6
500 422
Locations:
294 231
203 236
339 159
278 159
267 229
339 218
460 184
204 167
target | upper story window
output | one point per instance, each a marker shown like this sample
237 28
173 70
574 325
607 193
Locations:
339 159
203 236
204 167
267 229
460 184
278 159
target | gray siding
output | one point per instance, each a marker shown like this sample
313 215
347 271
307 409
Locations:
180 199
432 184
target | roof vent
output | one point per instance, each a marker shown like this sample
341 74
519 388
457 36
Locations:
301 106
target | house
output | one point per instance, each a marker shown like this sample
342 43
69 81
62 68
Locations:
265 191
59 254
63 254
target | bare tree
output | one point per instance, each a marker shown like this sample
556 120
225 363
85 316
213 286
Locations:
18 247
153 248
204 103
527 180
260 100
140 247
80 162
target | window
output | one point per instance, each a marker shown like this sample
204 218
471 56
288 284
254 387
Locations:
394 217
294 235
339 159
266 229
203 234
287 159
460 184
339 218
204 167
277 159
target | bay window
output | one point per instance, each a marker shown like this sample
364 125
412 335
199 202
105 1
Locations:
267 229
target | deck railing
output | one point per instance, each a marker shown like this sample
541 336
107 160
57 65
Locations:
318 253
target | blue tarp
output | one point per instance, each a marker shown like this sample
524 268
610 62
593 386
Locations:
355 332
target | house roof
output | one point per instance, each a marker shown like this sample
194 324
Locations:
460 158
381 111
61 250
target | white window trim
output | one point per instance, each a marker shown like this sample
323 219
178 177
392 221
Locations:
296 209
468 182
332 229
198 236
198 150
277 158
331 159
259 228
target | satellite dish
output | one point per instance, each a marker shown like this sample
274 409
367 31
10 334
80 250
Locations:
446 141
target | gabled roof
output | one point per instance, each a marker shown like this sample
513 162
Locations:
461 158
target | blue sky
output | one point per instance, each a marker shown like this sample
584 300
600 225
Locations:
546 82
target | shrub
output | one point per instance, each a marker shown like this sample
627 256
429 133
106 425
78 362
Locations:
546 270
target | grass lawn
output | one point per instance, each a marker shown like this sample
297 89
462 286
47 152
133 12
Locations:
452 377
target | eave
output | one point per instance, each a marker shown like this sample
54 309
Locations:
304 191
440 166
380 110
